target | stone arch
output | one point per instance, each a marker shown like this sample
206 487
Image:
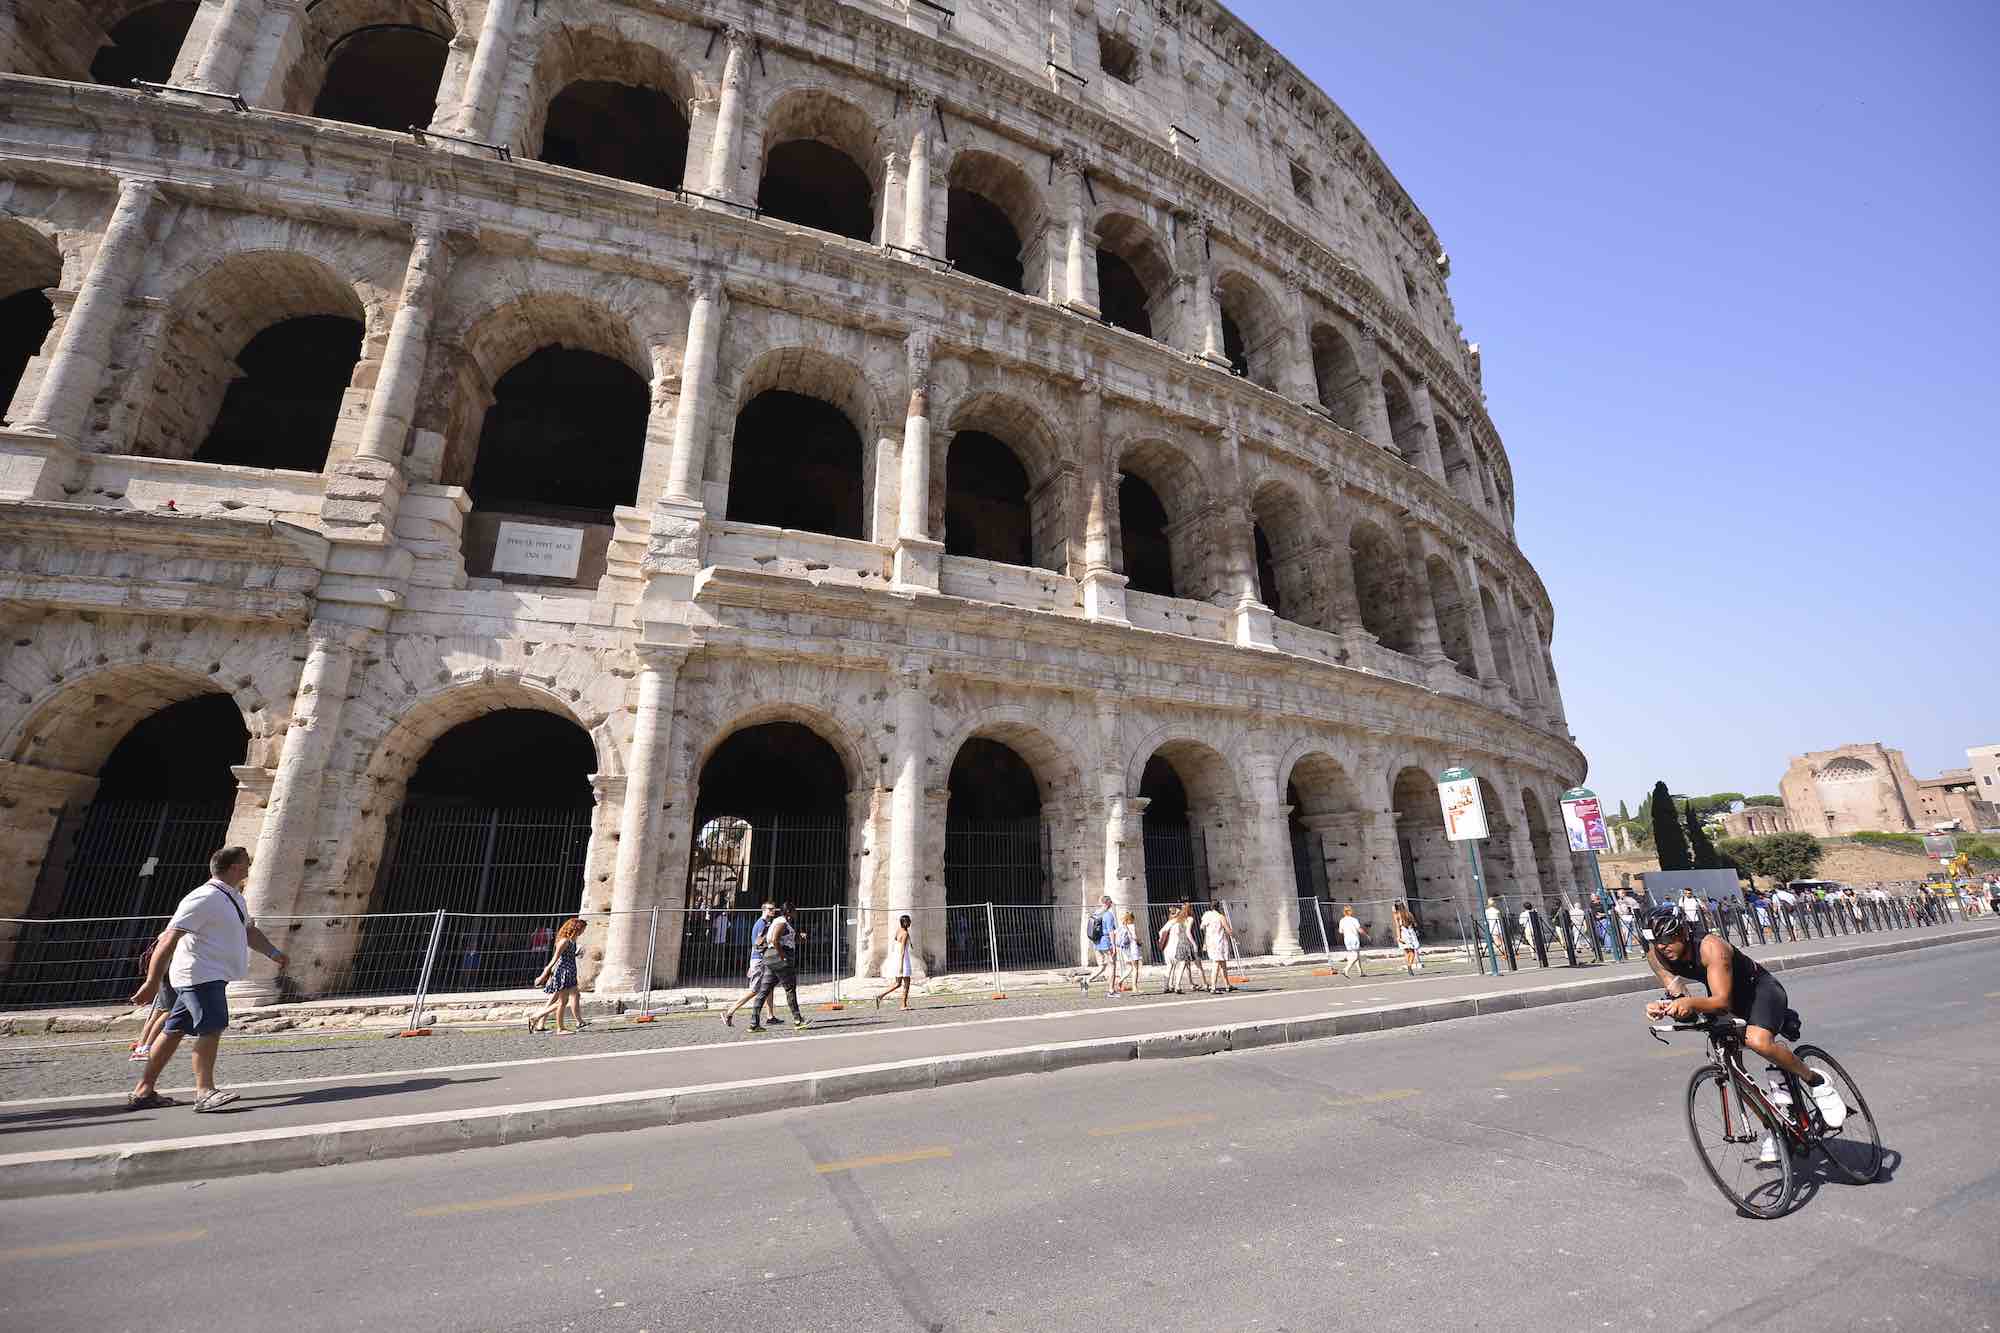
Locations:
1062 787
1135 276
1253 327
30 265
1497 637
1327 824
1457 466
276 331
1023 429
1429 860
633 92
994 221
1290 556
810 466
819 163
1406 426
1192 822
1344 388
371 62
143 40
1454 615
1381 587
394 751
1171 476
1541 841
74 724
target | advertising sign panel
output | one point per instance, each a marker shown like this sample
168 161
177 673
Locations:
1583 820
1464 812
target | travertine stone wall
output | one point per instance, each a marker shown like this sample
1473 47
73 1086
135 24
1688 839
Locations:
335 605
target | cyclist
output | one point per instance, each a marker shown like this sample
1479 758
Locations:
1681 951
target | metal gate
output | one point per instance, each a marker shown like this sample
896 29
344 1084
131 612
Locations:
740 863
1309 863
996 861
1176 864
485 861
127 864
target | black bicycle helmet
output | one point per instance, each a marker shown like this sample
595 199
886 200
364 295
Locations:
1662 922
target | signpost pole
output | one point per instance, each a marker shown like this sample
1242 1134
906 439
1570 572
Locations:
1478 897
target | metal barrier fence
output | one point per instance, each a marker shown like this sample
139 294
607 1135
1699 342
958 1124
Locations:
101 960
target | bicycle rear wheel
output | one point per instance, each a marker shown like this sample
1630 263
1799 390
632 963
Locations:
1729 1135
1855 1149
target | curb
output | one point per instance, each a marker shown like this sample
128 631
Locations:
129 1165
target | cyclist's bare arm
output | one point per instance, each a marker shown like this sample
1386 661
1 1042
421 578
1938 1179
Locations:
1716 956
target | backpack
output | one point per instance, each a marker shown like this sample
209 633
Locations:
1097 929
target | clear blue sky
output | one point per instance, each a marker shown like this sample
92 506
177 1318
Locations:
1732 270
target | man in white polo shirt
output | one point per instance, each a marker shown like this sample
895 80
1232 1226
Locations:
209 942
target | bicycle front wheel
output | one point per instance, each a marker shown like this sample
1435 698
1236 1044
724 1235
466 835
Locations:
1730 1137
1855 1149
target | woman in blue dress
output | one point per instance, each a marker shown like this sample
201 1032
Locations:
559 979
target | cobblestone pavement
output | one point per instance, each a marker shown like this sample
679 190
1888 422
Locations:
54 1066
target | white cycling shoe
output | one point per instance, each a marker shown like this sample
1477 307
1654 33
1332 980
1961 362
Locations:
1767 1151
1826 1097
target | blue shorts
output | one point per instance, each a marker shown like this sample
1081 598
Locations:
201 1010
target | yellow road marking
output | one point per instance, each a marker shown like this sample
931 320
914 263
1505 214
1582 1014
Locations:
1143 1126
1546 1071
71 1249
885 1159
1373 1098
1993 995
519 1201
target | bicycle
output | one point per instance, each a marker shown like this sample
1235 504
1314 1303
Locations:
1729 1114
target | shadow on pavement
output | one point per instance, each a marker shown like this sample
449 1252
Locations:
115 1112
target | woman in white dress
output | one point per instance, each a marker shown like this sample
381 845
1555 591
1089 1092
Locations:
1406 935
1178 935
1218 938
899 964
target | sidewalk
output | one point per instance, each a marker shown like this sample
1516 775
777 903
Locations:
92 1142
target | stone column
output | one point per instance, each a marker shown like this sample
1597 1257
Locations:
1545 659
474 119
1475 608
394 402
908 810
917 553
1103 586
79 365
721 180
1295 376
707 304
229 41
634 885
1077 254
1429 644
1207 306
1271 882
1432 459
1375 400
917 189
292 810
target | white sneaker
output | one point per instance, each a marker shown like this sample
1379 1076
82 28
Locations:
1827 1098
1767 1151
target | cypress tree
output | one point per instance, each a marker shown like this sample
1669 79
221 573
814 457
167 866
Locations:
1668 839
1624 815
1705 855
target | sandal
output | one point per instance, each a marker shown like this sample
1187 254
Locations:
214 1101
150 1101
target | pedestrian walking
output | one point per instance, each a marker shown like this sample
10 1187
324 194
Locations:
1406 935
1102 929
1352 932
156 1017
205 946
1129 953
781 947
1178 948
1218 939
754 974
899 963
1496 929
558 979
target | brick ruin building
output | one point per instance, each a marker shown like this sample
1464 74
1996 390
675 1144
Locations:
465 449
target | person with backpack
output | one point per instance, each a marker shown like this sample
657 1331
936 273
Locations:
1101 928
781 953
755 974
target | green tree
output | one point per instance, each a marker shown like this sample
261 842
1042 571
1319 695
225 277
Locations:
1668 840
1777 801
1779 856
1624 815
1703 851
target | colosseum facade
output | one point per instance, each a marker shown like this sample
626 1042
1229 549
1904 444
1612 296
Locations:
484 447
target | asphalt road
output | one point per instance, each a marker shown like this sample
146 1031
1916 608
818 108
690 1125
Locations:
1527 1169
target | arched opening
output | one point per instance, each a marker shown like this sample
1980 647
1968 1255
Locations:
986 509
812 175
255 366
1289 557
1327 859
759 838
1343 387
281 410
1189 799
629 133
494 828
1252 328
1233 348
29 265
1406 428
981 241
144 44
996 848
384 75
561 446
1147 548
1381 588
1544 848
797 462
1496 639
1496 855
1454 617
1429 860
1457 467
1133 277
